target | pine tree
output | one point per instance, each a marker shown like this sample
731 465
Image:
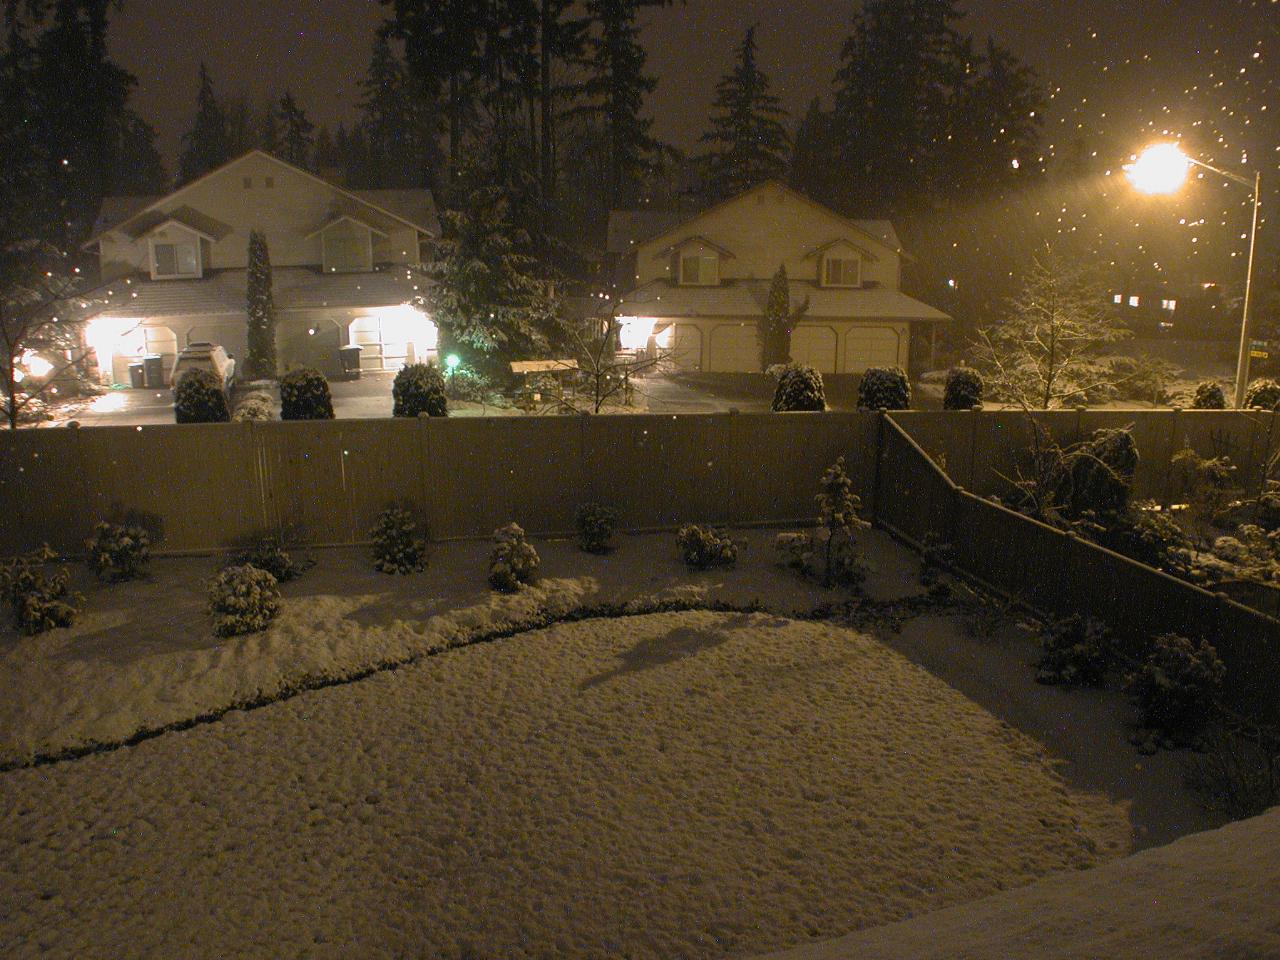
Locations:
400 126
750 144
137 169
813 171
260 364
206 143
295 133
776 323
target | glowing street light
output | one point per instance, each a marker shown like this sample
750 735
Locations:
1163 168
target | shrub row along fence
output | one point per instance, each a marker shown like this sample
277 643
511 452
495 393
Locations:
1061 574
218 486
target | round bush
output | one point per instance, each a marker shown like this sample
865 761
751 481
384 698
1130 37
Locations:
253 406
419 388
1176 685
198 398
304 395
1209 396
397 548
884 388
596 524
1262 394
1076 652
243 599
269 555
799 388
514 561
117 552
705 547
963 390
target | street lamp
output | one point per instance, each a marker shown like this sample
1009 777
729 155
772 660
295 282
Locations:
1163 168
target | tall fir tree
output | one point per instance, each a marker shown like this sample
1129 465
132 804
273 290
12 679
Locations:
296 133
749 142
400 126
138 169
206 144
260 364
773 333
813 170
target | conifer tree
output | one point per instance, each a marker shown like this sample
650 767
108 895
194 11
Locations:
749 142
400 127
776 323
207 145
295 133
260 364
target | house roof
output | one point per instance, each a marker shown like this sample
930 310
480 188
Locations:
293 288
413 208
747 298
337 217
696 239
630 228
150 221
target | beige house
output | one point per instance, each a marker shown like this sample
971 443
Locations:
343 268
698 285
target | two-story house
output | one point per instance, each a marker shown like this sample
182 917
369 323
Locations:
698 285
342 265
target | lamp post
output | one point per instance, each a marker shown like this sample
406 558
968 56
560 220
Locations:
1163 168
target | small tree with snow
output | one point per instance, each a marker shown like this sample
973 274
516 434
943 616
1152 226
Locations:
397 548
513 562
260 363
778 320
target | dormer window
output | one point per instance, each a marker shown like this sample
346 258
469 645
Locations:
699 270
175 259
344 254
841 271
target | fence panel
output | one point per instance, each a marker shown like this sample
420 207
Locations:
44 489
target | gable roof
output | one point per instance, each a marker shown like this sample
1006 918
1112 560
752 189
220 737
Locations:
630 228
836 242
698 239
418 208
736 299
184 216
338 217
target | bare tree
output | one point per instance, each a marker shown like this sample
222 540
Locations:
605 376
1045 352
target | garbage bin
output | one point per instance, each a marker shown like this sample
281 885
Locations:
350 357
137 379
153 368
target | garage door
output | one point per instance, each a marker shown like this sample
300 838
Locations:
871 347
686 347
815 347
734 349
380 348
137 341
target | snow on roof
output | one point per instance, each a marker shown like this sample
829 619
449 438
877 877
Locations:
747 298
184 215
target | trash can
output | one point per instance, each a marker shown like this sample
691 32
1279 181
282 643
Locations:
350 357
153 369
137 378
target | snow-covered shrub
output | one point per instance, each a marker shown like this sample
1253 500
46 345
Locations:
269 555
198 398
799 388
466 383
304 395
117 552
513 561
38 600
1208 487
254 406
243 599
596 524
1096 475
1075 652
1143 532
418 389
884 388
1209 396
397 548
1237 771
1176 685
796 550
1263 394
705 547
30 409
963 389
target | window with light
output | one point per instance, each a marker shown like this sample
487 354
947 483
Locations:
842 272
176 260
700 270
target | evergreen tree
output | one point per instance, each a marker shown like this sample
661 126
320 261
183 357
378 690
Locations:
813 171
750 143
207 146
617 86
260 364
138 169
490 305
776 323
400 126
295 133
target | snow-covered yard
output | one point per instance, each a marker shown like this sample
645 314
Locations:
693 784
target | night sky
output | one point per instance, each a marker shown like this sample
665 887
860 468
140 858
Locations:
1122 72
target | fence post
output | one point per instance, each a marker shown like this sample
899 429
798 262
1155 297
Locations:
875 483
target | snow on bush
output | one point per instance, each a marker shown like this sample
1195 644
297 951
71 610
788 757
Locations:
1209 396
269 555
397 548
799 388
963 390
198 398
884 388
596 524
243 599
304 395
1076 652
419 389
37 599
118 552
1263 394
832 552
513 561
1176 686
254 406
705 547
1096 475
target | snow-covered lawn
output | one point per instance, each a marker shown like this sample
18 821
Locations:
674 785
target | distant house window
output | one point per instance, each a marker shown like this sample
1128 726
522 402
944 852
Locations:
1135 301
346 253
1169 304
1118 298
842 272
176 260
700 270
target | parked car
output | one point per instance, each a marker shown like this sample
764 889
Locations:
205 356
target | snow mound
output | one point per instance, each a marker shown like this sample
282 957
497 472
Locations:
690 785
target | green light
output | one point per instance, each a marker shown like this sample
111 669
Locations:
452 361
